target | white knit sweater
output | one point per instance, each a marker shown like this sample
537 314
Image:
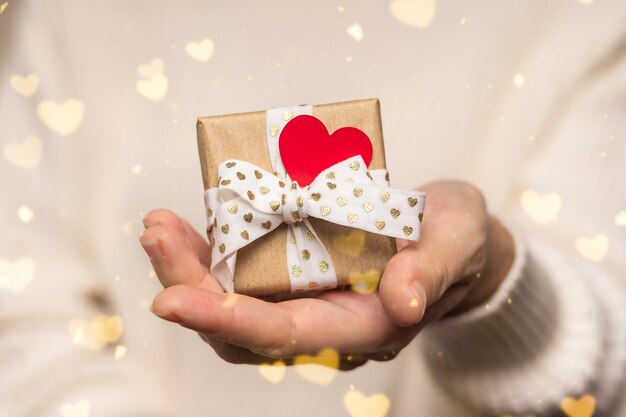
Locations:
524 99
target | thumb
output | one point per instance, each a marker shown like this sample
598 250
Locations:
421 272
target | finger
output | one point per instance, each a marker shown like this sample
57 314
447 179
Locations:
231 318
282 329
199 243
446 305
420 273
350 362
174 260
168 218
239 355
235 354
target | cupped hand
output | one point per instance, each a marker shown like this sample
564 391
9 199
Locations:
462 255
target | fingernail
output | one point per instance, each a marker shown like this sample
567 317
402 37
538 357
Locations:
159 313
419 300
152 248
148 223
276 353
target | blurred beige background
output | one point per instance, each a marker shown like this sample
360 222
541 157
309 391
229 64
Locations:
104 130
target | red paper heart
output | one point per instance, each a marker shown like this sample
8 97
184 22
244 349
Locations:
307 149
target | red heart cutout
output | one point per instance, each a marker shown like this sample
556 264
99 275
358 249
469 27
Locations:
307 149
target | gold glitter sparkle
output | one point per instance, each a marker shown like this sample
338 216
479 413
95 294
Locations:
296 270
350 244
120 352
319 369
542 208
25 154
26 85
273 372
358 404
154 83
594 249
364 283
97 332
584 406
25 214
63 118
418 14
16 276
136 169
200 51
80 408
355 31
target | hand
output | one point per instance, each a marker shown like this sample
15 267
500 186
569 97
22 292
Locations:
462 256
439 272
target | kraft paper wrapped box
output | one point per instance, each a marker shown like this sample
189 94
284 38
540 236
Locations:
358 256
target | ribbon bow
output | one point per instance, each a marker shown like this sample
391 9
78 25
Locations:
250 202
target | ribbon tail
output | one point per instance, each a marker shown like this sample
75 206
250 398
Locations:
310 265
236 224
224 271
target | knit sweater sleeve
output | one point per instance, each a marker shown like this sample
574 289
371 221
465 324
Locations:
555 328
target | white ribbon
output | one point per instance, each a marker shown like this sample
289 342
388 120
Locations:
250 202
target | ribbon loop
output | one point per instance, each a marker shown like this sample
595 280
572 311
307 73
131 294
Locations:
250 202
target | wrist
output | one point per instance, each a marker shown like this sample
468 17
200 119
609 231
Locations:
499 256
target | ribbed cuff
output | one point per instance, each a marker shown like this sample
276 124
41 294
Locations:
536 340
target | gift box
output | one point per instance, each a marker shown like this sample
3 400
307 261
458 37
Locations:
271 234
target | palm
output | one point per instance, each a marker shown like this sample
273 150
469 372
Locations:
377 325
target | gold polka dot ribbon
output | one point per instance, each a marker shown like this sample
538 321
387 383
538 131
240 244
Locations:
250 202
